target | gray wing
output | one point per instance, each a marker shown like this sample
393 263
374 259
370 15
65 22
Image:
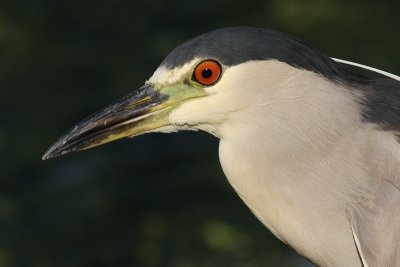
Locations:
376 227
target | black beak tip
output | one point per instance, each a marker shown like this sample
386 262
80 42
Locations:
64 145
57 150
51 153
46 156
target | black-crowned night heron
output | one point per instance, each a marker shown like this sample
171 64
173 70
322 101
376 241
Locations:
311 148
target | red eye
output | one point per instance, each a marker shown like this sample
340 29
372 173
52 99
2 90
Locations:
207 72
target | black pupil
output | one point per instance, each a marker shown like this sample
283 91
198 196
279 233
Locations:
206 73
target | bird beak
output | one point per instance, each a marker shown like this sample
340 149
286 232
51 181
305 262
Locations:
141 111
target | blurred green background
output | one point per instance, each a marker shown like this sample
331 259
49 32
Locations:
156 200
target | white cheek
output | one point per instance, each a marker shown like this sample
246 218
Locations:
193 111
236 97
212 110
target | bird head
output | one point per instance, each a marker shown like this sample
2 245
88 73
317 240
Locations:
206 83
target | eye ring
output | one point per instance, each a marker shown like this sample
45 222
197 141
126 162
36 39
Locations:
207 72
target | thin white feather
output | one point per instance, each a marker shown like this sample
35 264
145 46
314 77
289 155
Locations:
385 73
357 241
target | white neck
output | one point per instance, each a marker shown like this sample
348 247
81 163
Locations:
300 137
